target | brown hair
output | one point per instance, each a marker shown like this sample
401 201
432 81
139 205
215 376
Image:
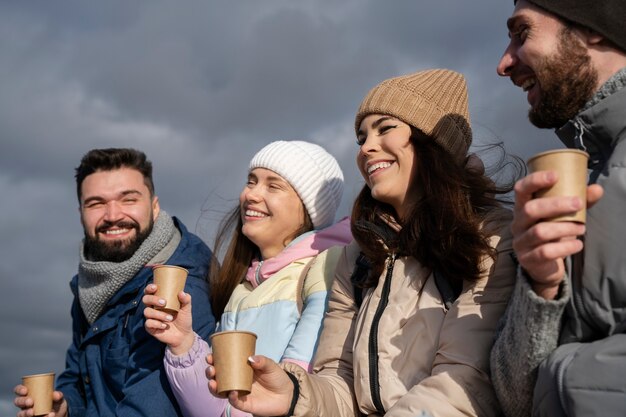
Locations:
111 159
443 228
239 254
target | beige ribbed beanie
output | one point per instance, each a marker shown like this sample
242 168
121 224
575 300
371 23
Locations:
311 171
434 101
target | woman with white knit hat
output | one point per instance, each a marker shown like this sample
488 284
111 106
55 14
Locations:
275 275
416 298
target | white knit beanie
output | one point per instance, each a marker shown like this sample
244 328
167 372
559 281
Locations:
311 171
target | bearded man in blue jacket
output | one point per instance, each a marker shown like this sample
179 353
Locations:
113 366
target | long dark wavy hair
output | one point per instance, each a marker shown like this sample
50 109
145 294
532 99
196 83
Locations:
239 254
443 229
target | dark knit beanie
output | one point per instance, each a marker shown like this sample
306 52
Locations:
434 101
606 17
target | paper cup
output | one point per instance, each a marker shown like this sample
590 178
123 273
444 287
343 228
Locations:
170 280
571 166
231 350
40 388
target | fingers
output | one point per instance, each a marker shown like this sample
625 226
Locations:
210 374
530 184
150 289
20 390
23 402
153 325
156 319
57 396
547 252
594 194
213 387
546 232
152 300
533 211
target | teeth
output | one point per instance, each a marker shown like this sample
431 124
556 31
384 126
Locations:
116 231
528 84
254 213
378 165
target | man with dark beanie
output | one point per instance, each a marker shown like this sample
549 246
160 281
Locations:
561 347
113 366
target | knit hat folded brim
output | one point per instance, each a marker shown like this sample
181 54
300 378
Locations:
605 17
433 101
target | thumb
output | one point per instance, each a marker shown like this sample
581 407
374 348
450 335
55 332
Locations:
594 194
185 300
261 363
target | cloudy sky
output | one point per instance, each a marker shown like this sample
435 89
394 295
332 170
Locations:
200 86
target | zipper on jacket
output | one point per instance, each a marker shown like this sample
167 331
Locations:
373 340
578 139
257 273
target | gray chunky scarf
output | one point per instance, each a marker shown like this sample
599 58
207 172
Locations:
99 281
612 85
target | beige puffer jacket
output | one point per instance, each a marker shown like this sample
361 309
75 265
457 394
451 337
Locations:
426 359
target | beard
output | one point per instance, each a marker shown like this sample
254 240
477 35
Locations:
98 250
567 80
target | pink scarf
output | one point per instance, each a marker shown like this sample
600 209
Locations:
309 244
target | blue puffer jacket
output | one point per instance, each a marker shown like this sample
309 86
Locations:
114 367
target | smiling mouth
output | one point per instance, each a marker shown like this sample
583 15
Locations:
377 167
528 84
255 214
114 232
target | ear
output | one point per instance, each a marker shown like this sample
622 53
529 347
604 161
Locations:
155 206
592 37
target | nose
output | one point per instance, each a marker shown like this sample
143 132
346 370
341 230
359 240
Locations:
370 144
251 193
507 62
113 212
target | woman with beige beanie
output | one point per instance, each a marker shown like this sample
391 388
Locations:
416 298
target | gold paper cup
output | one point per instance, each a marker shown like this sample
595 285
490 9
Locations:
571 166
170 280
40 388
231 350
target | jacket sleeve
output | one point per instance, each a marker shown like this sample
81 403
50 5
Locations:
329 391
69 382
459 383
526 335
583 379
145 377
303 343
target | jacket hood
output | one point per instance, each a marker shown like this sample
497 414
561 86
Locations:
304 246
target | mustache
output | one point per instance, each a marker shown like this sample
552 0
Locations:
121 224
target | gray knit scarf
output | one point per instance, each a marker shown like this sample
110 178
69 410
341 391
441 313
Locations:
612 85
99 281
